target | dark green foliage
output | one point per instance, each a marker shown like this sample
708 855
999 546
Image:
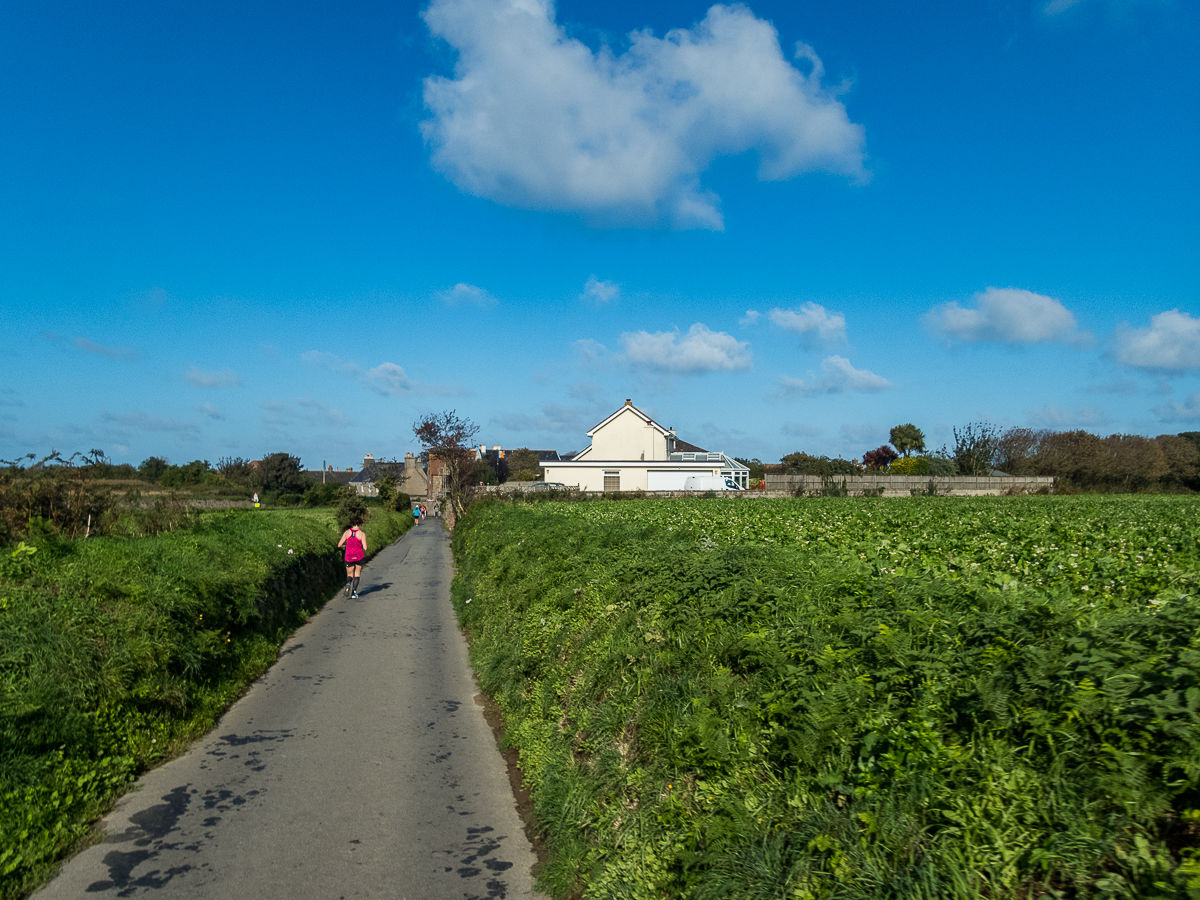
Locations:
235 469
847 700
941 466
803 464
58 492
350 505
385 488
319 494
280 473
189 474
116 652
907 438
152 468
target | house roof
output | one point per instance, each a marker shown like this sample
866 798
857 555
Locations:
628 405
333 477
685 447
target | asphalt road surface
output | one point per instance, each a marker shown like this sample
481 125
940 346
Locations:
359 766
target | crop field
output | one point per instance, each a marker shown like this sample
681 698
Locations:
838 698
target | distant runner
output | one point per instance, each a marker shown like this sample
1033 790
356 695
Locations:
355 540
416 515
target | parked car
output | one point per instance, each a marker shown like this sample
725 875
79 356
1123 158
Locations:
547 486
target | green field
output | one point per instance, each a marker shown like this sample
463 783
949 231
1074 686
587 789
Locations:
116 652
935 697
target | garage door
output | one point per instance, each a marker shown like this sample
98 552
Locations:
670 481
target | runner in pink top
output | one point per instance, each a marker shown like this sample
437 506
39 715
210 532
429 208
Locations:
355 541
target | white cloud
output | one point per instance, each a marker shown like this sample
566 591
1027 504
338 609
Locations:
224 378
121 353
840 378
211 411
1187 411
1051 416
597 291
535 119
463 293
388 379
812 322
1171 343
1007 316
700 350
750 318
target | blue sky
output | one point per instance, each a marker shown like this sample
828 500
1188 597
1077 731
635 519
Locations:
229 229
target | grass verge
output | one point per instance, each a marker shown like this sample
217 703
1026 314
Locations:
116 653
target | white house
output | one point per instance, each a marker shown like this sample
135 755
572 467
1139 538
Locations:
632 452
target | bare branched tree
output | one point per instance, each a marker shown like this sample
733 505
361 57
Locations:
450 441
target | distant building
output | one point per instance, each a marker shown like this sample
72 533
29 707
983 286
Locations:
632 452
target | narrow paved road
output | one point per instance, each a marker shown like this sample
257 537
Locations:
359 766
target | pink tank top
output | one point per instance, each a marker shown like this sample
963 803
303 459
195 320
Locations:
354 547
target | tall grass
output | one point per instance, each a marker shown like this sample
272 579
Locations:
702 718
116 652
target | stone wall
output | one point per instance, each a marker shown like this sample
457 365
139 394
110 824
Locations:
905 485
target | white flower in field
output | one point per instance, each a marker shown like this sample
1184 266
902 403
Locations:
289 550
280 546
469 599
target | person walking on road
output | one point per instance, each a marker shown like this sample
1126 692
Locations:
355 541
416 515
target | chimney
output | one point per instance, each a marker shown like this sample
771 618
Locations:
628 402
368 461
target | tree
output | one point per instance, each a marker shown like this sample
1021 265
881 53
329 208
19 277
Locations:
451 440
907 438
802 464
152 468
281 473
879 458
524 465
235 469
385 489
1018 451
975 448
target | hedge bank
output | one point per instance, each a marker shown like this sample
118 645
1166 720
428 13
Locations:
115 653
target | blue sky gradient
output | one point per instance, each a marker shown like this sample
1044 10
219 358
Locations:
234 229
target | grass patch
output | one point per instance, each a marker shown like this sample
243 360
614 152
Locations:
935 697
116 653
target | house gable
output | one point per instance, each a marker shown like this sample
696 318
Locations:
628 434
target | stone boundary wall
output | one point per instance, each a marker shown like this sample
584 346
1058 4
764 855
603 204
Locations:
779 486
904 485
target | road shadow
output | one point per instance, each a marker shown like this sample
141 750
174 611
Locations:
373 588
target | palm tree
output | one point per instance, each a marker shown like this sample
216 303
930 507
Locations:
907 438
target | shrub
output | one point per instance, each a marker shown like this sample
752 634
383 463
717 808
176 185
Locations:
911 465
350 506
879 458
